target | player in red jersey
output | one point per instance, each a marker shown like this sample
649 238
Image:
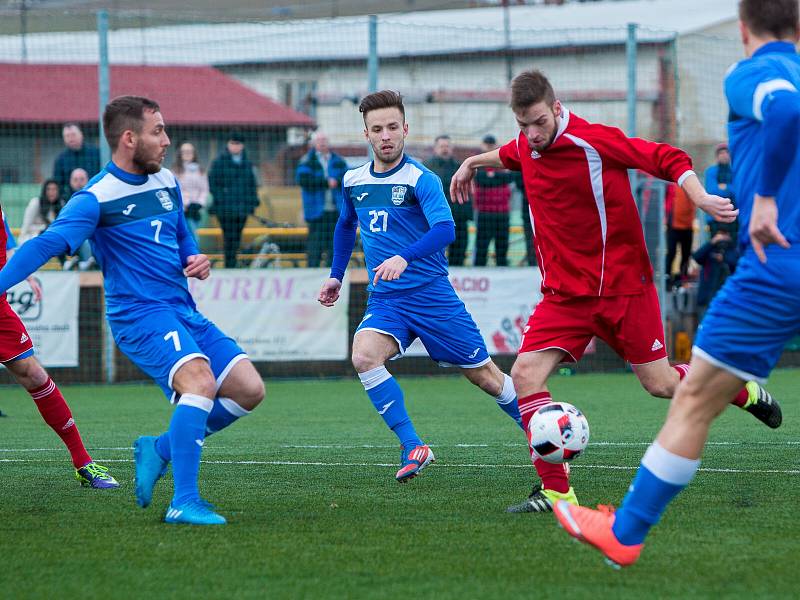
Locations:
597 278
16 354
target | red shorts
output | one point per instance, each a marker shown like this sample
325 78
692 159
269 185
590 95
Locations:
14 338
631 325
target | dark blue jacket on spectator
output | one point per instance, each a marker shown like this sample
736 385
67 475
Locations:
87 158
716 175
311 178
713 272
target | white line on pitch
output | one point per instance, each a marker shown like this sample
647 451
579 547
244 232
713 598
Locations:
293 463
394 446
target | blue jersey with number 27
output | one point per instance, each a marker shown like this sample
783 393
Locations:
138 234
393 210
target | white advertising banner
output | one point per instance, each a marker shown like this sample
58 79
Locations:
274 314
52 322
499 300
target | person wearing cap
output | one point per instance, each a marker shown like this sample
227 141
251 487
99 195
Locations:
232 182
492 205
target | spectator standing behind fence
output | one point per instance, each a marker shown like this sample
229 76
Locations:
717 259
680 221
232 181
445 165
41 211
77 155
492 204
194 185
319 176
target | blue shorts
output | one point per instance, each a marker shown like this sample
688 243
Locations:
753 316
167 339
435 315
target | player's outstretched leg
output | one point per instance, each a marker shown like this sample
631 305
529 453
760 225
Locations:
660 380
56 413
498 385
530 372
668 466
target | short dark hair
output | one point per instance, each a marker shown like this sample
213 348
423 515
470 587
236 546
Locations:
382 99
778 18
529 88
70 124
123 113
443 136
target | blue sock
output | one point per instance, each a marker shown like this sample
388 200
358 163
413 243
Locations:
186 435
387 398
507 400
661 476
224 413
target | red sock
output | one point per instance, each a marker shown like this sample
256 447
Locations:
553 476
739 400
56 413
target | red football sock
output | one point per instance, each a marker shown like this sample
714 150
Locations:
56 413
739 400
553 476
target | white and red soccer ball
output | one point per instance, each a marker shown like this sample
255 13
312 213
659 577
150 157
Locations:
558 432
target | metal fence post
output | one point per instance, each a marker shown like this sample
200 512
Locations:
372 57
103 90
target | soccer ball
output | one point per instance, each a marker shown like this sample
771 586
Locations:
558 432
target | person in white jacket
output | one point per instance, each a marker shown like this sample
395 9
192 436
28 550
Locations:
41 211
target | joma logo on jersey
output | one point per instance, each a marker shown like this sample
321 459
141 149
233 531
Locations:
165 199
398 194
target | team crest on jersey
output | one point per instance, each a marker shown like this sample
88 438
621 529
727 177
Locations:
535 155
165 199
398 194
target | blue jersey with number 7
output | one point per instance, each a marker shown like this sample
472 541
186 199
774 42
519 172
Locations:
138 234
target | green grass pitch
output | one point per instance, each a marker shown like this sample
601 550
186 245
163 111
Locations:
307 485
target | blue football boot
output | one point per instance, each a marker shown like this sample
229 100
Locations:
150 467
193 512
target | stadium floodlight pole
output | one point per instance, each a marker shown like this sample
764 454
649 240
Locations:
103 87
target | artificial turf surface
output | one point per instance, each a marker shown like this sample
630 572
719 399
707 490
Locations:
307 484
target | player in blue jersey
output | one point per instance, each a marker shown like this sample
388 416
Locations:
406 224
758 310
132 213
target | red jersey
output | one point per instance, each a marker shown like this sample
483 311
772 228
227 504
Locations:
587 232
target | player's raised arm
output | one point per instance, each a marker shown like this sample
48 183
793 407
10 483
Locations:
461 182
781 118
720 208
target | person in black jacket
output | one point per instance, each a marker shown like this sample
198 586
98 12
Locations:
232 182
444 165
717 259
77 155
